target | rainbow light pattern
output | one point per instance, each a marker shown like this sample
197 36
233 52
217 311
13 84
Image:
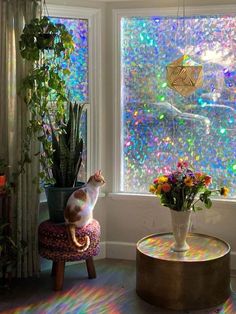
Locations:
77 83
85 300
158 125
83 296
202 248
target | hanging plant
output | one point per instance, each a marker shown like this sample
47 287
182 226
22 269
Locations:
44 88
41 34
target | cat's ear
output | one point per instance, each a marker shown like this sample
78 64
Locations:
97 174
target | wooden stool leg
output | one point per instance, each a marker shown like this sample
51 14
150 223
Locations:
59 275
90 268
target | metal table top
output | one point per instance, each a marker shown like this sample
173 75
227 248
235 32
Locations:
202 247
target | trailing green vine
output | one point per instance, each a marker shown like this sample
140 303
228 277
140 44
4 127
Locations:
49 47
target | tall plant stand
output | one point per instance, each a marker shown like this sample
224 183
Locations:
196 279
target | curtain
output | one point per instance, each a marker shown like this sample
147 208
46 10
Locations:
13 121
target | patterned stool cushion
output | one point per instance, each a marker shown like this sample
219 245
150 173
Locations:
55 245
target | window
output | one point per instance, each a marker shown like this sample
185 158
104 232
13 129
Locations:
84 83
158 125
77 83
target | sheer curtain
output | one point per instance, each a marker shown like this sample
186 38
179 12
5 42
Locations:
13 120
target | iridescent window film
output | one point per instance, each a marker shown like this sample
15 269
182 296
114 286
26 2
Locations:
77 83
159 125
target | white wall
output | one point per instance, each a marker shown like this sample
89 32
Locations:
126 219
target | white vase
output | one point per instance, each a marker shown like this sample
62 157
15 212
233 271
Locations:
180 224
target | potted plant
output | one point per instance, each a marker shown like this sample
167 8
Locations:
8 253
66 161
3 178
54 120
41 34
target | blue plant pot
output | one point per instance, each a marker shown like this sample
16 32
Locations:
57 198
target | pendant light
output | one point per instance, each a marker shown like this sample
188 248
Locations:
184 75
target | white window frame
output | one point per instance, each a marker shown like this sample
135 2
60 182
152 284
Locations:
95 82
117 15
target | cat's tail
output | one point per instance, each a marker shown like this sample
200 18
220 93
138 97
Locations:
81 247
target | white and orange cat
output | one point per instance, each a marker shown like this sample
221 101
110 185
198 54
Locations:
79 208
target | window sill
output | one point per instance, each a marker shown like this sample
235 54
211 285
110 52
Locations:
43 199
144 196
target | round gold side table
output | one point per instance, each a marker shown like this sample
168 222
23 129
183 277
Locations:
196 279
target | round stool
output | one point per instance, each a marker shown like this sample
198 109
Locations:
55 245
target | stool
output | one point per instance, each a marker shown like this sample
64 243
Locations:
55 245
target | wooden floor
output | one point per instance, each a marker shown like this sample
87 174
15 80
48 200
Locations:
112 292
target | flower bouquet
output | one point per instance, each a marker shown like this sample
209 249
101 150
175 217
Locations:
183 188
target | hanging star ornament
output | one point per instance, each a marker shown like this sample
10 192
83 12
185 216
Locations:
184 75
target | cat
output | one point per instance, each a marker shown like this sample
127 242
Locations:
79 208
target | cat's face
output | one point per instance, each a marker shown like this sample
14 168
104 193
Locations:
98 178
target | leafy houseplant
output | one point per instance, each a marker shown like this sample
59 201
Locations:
54 120
67 148
41 34
183 188
44 88
66 161
8 251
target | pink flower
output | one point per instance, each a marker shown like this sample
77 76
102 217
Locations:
182 164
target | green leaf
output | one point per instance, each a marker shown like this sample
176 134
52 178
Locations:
208 203
197 208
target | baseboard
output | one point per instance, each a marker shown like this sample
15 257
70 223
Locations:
121 250
102 253
125 250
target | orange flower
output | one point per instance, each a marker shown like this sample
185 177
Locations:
166 187
207 180
224 191
158 190
198 175
188 181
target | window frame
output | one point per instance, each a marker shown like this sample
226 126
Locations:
117 15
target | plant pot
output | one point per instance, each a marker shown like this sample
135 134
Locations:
57 198
180 224
3 181
45 41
